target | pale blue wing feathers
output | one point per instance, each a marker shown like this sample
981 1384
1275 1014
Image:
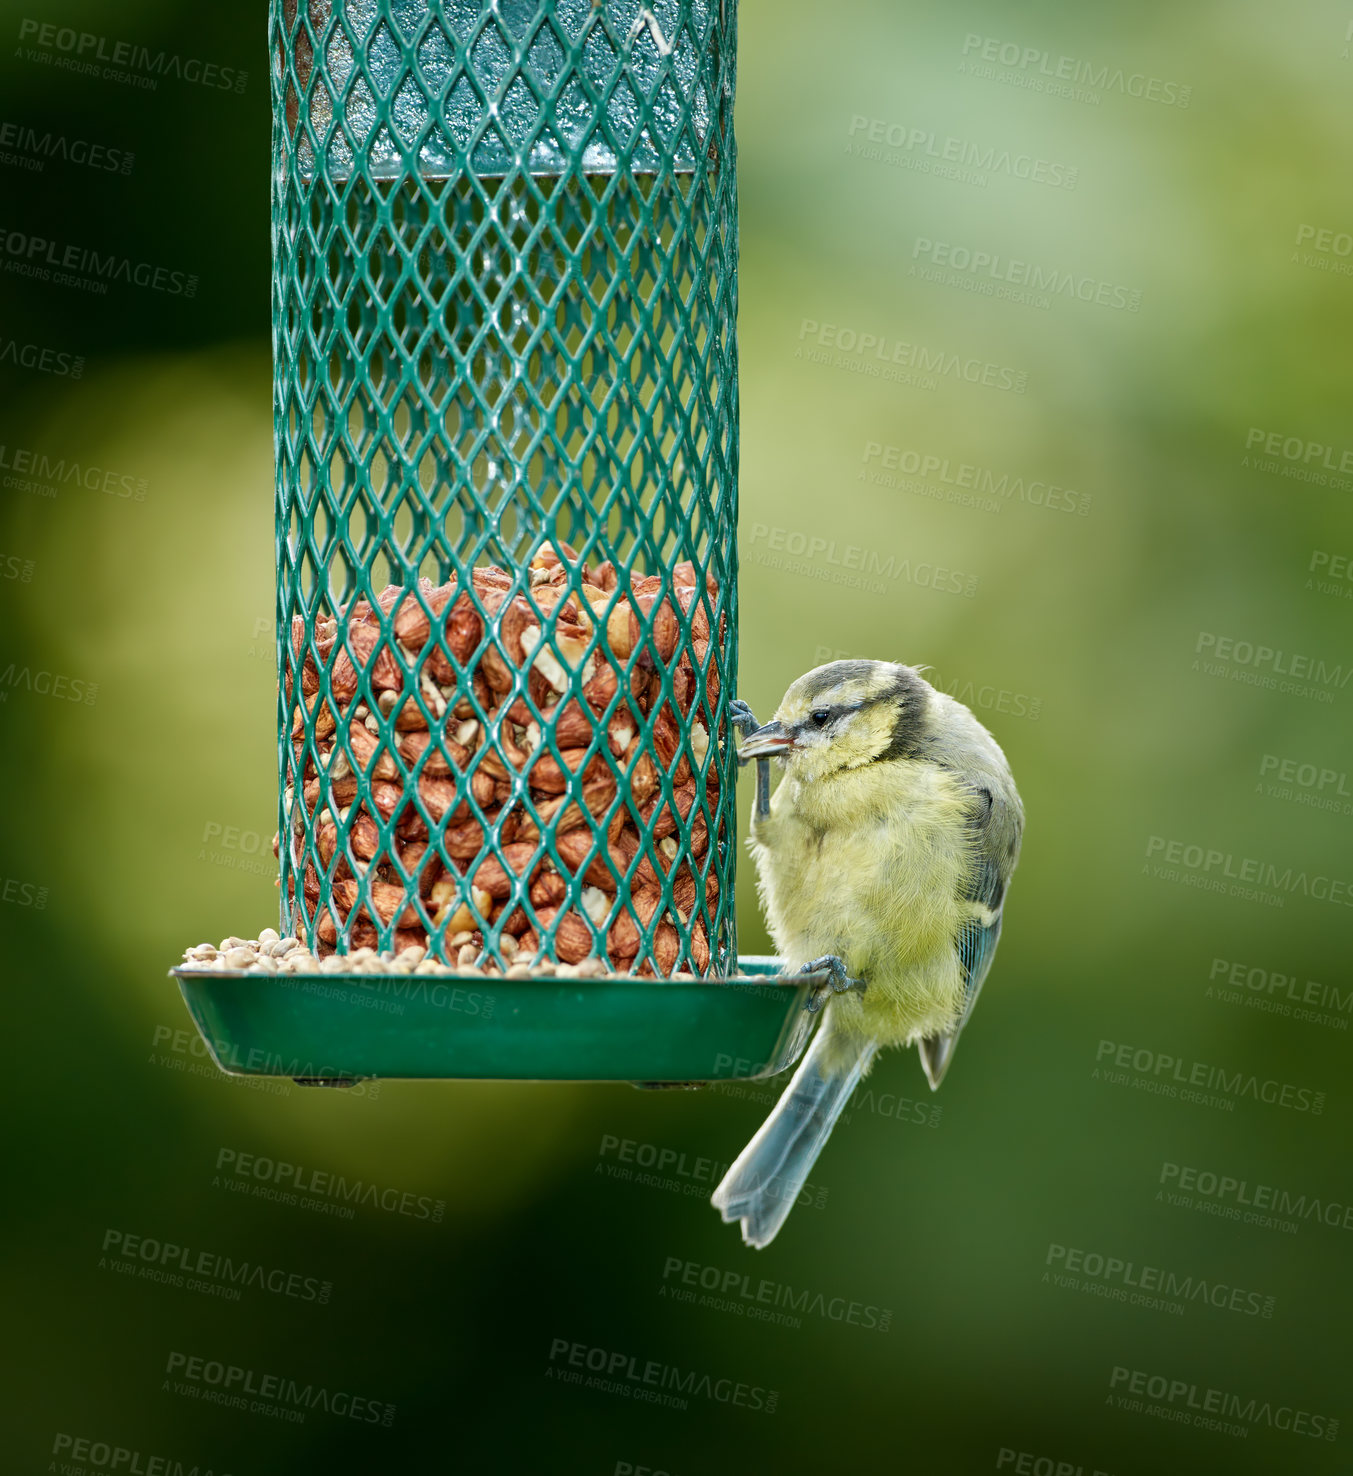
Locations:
976 947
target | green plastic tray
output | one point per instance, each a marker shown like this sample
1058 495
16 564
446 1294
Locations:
337 1029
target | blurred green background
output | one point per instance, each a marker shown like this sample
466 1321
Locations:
146 812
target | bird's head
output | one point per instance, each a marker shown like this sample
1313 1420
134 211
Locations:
844 715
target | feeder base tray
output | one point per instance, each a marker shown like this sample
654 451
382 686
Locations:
338 1029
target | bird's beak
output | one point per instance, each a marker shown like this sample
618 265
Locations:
766 741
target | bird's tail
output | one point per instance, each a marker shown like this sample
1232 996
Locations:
763 1184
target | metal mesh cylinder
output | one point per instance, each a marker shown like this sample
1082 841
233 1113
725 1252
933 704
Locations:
505 374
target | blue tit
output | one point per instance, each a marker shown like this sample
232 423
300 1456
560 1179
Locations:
883 859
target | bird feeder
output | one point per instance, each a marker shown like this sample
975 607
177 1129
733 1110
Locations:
506 430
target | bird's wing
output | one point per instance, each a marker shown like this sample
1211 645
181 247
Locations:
975 944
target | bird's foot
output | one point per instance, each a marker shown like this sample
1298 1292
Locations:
742 717
839 981
744 720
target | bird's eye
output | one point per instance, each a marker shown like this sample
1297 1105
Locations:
820 716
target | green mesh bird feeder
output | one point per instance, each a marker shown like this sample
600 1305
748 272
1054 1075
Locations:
506 424
505 242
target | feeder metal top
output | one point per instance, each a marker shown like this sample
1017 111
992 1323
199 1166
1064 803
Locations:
492 88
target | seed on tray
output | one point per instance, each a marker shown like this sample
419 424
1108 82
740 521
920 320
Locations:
251 956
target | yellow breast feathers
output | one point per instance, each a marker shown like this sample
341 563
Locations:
871 864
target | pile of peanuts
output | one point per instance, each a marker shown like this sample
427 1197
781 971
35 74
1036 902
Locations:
596 838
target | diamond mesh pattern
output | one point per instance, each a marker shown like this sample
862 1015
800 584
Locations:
505 299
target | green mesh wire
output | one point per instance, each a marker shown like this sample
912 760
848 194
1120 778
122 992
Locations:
504 311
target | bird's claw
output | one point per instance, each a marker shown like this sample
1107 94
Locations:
744 720
838 980
742 717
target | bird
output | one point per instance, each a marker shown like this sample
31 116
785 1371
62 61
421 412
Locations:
882 863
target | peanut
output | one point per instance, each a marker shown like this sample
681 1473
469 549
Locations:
495 877
572 936
547 672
